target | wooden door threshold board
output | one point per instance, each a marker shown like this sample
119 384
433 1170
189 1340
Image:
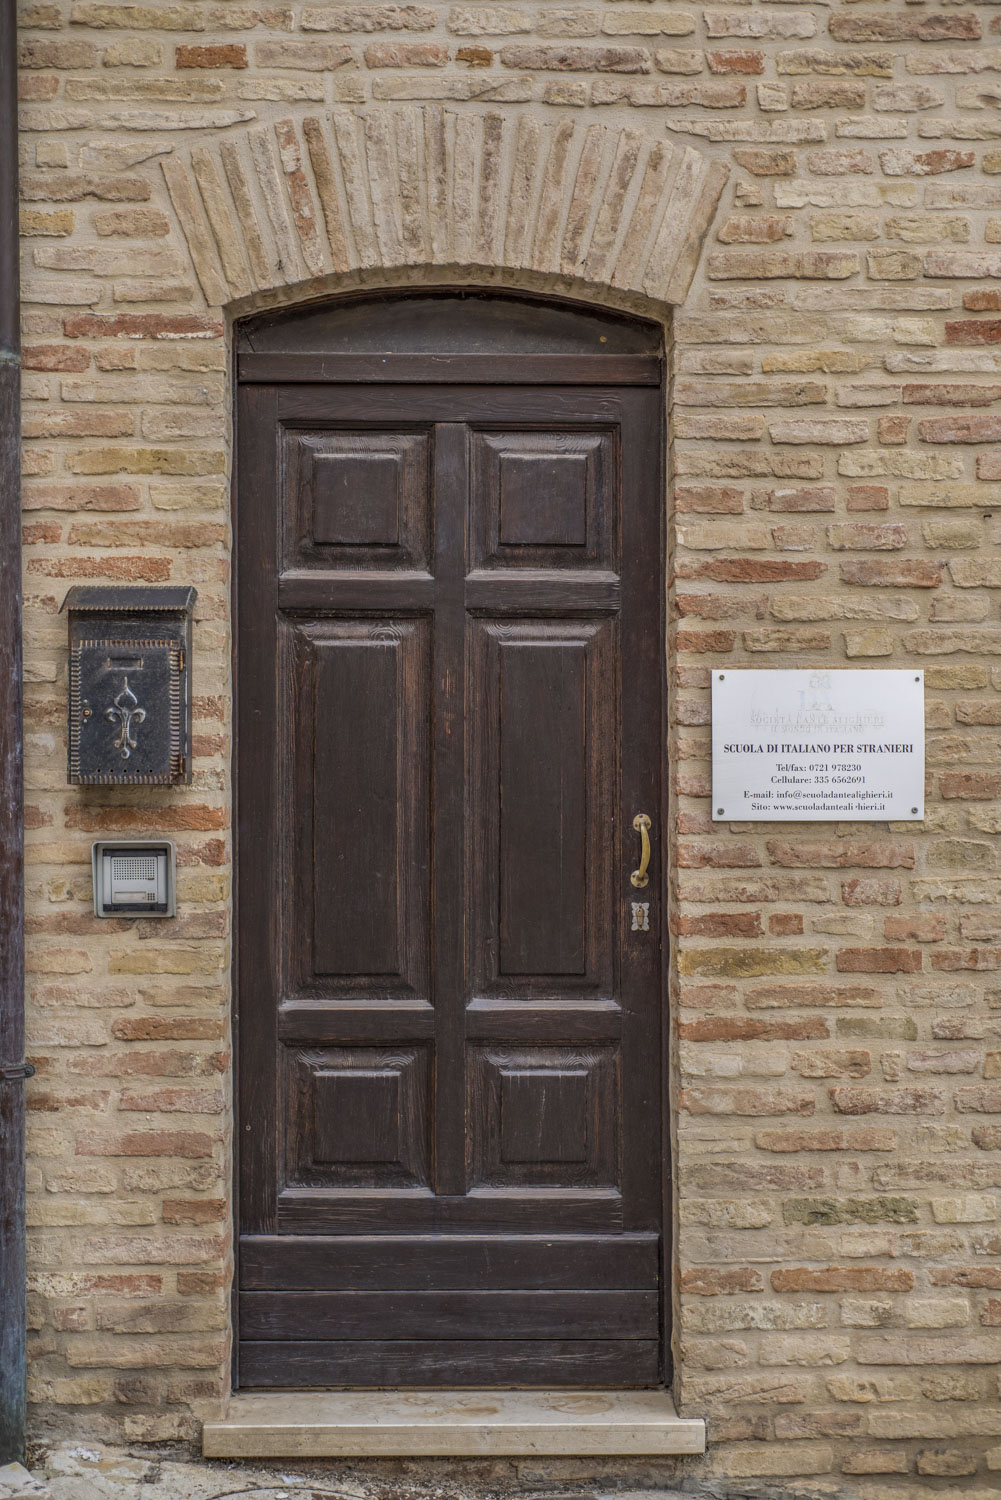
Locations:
451 1424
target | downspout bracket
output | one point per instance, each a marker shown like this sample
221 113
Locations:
13 1072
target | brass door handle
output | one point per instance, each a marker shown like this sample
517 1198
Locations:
639 878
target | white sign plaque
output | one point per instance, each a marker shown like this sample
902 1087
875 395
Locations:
817 745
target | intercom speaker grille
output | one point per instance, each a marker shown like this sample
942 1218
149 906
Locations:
131 867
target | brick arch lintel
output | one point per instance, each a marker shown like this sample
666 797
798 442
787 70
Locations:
333 199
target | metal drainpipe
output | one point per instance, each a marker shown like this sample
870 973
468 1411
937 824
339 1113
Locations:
12 1067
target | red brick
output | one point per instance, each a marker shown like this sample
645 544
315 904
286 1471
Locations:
106 497
960 430
951 395
849 1100
968 1276
772 996
892 431
183 1143
842 1279
43 52
862 892
980 1099
746 1101
840 854
973 331
54 357
917 929
750 1029
185 815
704 1282
756 570
902 573
194 1210
406 55
754 229
901 162
707 499
745 60
870 1139
977 786
141 326
720 924
167 1029
871 27
878 960
718 856
785 924
950 960
35 87
172 1101
982 299
41 531
87 423
868 497
707 996
712 641
201 1283
761 162
121 569
222 55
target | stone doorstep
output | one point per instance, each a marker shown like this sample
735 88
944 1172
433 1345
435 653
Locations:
451 1424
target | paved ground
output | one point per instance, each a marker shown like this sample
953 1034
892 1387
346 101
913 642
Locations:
76 1471
98 1471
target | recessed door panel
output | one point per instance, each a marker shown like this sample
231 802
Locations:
355 499
546 499
356 831
543 785
356 1117
545 1117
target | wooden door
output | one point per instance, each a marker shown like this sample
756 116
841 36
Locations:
449 993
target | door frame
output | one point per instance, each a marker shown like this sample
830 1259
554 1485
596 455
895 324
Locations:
465 369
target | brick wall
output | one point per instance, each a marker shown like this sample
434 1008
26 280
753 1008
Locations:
837 374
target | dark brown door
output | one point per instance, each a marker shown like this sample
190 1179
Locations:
448 990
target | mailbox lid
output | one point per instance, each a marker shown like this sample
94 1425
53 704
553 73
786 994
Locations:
97 598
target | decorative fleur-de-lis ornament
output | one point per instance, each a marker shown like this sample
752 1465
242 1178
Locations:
126 712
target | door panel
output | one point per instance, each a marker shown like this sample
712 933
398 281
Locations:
357 832
450 1362
545 1117
467 1262
357 1117
356 499
450 658
445 1315
545 499
542 787
543 806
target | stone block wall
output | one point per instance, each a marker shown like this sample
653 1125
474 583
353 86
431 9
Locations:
809 197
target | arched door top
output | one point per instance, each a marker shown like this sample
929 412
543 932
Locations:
315 201
447 322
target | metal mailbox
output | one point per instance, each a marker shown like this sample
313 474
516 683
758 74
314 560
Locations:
129 685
